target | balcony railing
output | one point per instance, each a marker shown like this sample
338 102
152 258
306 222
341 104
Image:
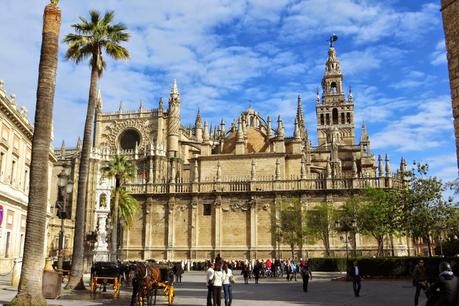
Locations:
264 185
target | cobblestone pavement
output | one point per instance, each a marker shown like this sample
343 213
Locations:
272 292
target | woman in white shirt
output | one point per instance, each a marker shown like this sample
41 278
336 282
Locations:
217 284
227 287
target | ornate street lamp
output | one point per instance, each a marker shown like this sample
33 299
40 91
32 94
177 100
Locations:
346 228
65 186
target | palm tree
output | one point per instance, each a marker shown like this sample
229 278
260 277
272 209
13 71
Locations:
128 206
30 286
121 169
90 39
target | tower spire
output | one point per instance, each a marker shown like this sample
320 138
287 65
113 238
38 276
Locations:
280 128
99 100
303 134
198 122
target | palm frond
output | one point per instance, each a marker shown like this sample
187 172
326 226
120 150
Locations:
95 36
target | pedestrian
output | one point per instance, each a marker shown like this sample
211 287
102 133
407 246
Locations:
217 284
289 269
135 290
306 275
256 271
356 276
455 267
294 270
419 280
210 282
179 272
227 284
245 272
448 285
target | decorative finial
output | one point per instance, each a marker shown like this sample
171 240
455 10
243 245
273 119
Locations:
63 150
1 84
121 108
79 143
161 104
141 106
174 89
99 100
332 39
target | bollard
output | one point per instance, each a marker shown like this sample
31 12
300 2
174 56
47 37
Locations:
16 273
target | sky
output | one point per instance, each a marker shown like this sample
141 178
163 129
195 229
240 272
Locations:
227 55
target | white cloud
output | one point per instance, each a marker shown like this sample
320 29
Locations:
438 57
366 21
422 130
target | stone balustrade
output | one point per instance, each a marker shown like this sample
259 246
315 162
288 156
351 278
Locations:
264 185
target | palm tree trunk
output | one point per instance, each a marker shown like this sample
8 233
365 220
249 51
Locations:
30 286
79 233
116 201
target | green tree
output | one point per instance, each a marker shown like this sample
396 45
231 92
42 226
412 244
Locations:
91 38
423 204
379 216
30 286
288 226
122 169
347 215
318 224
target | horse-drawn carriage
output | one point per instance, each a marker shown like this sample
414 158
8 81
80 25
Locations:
150 277
105 274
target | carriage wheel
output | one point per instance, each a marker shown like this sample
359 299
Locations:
171 294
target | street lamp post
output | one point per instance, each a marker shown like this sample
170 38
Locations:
65 188
346 228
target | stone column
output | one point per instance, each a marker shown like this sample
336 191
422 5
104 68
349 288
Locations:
147 228
194 228
218 222
253 227
276 208
170 228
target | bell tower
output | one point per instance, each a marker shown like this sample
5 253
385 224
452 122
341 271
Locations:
333 109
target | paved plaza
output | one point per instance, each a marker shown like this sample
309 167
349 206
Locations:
269 292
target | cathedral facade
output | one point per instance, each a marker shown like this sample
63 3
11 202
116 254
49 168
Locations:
207 191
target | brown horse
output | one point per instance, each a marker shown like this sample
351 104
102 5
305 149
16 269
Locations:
146 277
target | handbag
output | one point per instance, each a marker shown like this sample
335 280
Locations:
232 280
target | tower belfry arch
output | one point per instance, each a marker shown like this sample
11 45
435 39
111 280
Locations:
333 109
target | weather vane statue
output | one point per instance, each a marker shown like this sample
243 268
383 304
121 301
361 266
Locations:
332 39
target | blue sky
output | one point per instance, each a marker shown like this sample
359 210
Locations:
229 54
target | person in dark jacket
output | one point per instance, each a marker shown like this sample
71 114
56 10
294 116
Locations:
306 275
419 280
448 286
256 271
356 275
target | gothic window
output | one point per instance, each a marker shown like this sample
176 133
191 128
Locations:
128 139
252 124
348 118
335 116
327 117
333 88
322 121
342 118
207 209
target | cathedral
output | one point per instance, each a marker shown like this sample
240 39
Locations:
205 191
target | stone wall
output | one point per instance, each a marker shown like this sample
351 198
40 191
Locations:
239 226
450 12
